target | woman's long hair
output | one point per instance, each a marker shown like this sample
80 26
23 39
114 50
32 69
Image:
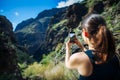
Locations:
100 36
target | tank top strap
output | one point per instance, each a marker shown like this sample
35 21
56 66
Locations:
90 55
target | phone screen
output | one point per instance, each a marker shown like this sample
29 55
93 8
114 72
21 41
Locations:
71 34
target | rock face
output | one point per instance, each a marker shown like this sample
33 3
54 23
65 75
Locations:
24 23
54 36
75 13
8 61
31 33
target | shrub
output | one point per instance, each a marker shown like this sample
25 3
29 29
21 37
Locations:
50 71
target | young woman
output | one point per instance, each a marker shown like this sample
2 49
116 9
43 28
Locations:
100 61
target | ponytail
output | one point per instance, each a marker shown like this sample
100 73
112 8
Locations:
102 41
100 36
105 42
111 44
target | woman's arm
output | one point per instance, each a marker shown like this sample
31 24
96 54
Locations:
79 44
71 61
67 55
79 61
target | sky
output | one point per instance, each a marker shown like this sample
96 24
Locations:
18 10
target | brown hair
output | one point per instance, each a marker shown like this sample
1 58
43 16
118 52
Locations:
100 36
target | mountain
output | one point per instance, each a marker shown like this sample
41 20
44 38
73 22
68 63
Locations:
24 23
51 27
9 69
31 33
38 35
44 37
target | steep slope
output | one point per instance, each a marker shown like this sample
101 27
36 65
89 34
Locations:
24 23
54 35
112 16
57 32
111 12
31 33
52 65
9 69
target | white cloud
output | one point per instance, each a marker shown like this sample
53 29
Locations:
67 3
1 10
61 4
16 14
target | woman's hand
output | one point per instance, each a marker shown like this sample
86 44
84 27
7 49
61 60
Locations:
76 40
79 44
68 44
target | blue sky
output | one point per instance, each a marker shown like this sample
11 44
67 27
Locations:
19 10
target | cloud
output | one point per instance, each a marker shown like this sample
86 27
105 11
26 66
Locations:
16 14
67 3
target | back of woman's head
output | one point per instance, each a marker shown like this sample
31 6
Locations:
100 36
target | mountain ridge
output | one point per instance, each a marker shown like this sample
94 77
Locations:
31 33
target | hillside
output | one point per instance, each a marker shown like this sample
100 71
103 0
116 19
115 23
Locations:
52 66
31 33
8 59
44 37
11 54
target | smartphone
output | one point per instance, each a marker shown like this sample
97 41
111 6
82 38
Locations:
72 36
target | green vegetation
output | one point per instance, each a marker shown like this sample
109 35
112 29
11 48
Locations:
44 19
59 24
51 67
28 30
90 3
49 71
8 77
23 57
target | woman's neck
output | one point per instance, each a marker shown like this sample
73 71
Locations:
90 47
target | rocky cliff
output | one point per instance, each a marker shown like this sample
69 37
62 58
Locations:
9 69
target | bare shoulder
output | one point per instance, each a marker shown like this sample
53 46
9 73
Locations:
80 56
76 59
85 67
81 62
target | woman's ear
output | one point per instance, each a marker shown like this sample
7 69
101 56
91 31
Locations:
86 34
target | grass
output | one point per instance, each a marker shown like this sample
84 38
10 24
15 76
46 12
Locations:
51 67
59 24
50 71
44 19
90 3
